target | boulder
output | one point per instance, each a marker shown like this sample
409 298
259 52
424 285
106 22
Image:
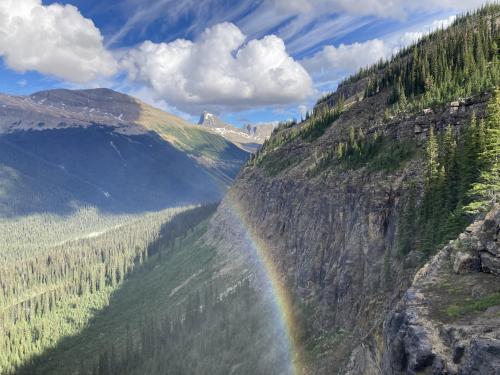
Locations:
484 358
490 263
464 262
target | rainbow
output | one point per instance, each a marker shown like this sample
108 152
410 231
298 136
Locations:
261 253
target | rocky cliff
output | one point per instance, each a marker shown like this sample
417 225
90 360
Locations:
332 234
356 206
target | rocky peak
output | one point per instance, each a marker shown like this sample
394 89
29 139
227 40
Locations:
210 120
249 137
250 129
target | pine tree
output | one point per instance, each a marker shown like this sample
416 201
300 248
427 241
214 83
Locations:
487 190
432 159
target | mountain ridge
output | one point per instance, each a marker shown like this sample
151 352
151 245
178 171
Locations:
75 135
249 138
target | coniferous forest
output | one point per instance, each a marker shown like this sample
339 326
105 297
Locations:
52 291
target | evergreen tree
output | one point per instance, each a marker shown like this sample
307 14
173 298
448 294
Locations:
487 190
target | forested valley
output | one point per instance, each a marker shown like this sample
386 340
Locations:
53 288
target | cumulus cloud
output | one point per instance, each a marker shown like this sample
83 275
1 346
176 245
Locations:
219 70
337 62
380 8
55 40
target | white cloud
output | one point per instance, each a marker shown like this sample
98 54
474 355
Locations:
443 24
380 8
55 40
364 7
219 70
409 37
337 62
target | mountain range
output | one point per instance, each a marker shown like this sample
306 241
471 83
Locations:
103 148
249 138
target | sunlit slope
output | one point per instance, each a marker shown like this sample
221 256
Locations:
55 276
217 325
188 137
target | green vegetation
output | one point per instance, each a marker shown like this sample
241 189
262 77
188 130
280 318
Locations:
212 335
456 62
470 305
200 142
190 138
487 142
273 166
53 291
312 128
174 315
27 235
375 152
319 122
461 176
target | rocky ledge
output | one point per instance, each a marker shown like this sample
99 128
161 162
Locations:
449 320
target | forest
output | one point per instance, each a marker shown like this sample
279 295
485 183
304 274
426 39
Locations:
462 178
174 315
457 62
52 290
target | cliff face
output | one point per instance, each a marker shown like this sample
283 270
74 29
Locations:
332 236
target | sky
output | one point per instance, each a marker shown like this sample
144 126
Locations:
254 61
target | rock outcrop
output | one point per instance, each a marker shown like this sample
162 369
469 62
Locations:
448 322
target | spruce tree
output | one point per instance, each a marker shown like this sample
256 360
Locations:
487 191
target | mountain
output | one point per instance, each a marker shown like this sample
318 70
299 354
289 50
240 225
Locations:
360 210
363 240
249 138
106 149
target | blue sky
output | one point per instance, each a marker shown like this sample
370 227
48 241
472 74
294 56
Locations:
248 60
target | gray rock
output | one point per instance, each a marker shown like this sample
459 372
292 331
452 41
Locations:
329 235
464 262
483 359
490 263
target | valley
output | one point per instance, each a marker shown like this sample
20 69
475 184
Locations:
361 240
